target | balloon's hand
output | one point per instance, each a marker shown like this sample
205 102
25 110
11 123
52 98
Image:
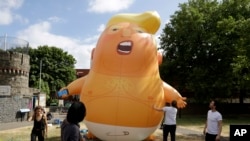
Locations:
181 102
63 93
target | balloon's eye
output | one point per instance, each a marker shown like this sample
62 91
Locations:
139 30
114 29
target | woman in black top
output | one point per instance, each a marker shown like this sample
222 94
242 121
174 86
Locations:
40 124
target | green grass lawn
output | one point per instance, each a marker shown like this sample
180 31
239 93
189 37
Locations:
195 122
23 134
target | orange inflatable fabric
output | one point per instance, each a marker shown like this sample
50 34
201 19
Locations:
124 82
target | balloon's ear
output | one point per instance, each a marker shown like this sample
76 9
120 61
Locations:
92 55
159 55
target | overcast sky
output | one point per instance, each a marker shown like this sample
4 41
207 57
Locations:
73 25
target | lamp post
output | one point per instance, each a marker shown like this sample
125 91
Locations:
5 42
40 75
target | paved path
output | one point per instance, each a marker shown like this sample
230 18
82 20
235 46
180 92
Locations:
19 124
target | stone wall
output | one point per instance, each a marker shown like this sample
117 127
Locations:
10 108
14 73
14 69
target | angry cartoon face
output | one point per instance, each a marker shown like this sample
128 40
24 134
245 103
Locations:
124 48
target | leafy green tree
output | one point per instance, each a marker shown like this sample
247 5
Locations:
201 44
238 26
51 69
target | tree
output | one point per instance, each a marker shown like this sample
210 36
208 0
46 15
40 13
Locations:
238 24
200 46
55 66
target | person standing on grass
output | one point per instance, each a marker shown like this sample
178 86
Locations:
162 122
70 128
169 124
213 126
40 127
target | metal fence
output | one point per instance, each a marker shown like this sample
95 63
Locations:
8 43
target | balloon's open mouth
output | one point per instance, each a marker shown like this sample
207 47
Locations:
125 47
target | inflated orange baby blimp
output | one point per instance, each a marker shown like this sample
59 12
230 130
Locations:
124 83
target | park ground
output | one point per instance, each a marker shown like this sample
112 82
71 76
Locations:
189 128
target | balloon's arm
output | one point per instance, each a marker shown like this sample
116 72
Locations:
172 94
74 88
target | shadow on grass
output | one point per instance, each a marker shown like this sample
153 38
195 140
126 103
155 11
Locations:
53 139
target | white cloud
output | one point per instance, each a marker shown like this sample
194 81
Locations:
6 17
6 7
91 39
11 4
102 6
101 28
21 19
55 19
39 35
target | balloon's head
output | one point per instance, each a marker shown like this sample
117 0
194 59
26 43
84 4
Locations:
127 46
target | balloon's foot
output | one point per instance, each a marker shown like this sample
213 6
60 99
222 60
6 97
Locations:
90 136
150 138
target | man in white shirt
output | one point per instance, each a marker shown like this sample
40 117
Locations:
213 126
169 124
